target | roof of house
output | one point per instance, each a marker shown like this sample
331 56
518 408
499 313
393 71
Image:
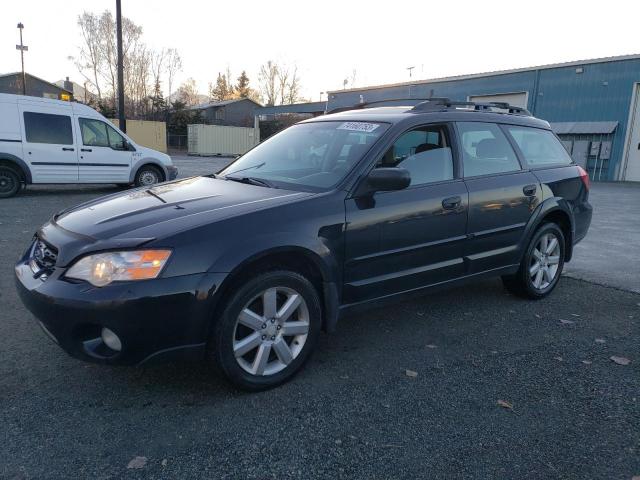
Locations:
576 63
221 103
37 78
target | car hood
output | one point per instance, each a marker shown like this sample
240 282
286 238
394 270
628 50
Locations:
168 208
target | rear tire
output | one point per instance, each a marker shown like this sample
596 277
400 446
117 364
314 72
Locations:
267 331
541 265
147 176
9 182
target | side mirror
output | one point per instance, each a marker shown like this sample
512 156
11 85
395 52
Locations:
388 179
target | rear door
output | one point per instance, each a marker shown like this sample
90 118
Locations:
49 144
502 196
407 239
104 155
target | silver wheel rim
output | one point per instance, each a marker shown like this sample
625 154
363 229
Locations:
148 178
271 331
545 261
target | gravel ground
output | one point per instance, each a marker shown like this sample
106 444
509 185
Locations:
353 412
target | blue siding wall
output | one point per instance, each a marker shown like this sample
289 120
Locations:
602 92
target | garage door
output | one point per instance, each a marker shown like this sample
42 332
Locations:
518 99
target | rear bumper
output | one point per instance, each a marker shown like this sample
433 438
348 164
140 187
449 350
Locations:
582 221
164 317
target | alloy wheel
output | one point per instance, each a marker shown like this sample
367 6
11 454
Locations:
545 260
271 331
7 183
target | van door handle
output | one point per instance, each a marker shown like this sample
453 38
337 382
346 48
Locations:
67 149
529 190
86 150
451 203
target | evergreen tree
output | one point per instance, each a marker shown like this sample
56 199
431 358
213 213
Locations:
222 90
242 87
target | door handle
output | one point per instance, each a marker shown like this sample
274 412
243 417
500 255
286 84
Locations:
67 149
451 203
86 150
529 190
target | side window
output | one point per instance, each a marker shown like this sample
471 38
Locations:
425 152
485 149
539 147
94 132
116 141
48 128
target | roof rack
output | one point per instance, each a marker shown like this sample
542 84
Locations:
438 104
361 105
441 104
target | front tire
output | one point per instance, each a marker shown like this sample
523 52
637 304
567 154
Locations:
267 331
541 265
9 182
147 176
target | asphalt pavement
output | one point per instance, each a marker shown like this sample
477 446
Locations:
503 387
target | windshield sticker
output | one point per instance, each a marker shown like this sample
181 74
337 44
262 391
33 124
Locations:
359 126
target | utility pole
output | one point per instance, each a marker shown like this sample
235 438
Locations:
410 71
121 119
23 48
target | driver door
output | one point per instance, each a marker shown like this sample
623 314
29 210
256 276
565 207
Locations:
104 156
402 240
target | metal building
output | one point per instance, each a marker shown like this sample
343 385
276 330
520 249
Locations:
593 105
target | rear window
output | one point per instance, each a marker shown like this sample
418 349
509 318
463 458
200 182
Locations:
539 147
48 128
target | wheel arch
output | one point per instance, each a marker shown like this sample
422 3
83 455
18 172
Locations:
558 211
18 164
294 258
148 162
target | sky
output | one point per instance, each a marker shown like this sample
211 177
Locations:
329 39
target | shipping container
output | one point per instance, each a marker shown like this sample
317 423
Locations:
221 140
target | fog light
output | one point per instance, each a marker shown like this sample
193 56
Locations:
111 340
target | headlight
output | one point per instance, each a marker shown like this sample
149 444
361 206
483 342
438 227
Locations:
103 268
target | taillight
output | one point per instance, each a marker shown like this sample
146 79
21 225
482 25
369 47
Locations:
584 176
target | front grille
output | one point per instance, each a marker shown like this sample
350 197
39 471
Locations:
43 258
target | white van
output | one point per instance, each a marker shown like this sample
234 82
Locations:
53 141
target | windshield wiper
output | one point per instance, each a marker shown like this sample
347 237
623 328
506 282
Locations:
247 168
251 181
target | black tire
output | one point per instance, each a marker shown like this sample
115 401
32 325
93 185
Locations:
522 283
9 182
224 334
147 176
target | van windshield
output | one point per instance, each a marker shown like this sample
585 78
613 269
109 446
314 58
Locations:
308 156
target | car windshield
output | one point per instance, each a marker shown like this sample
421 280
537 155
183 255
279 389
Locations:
308 156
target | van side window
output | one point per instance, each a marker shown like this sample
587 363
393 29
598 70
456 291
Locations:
48 128
94 133
539 147
485 149
425 152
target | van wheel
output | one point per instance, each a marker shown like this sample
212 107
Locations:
541 266
147 176
9 182
267 330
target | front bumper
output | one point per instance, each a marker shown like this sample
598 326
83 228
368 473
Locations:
152 318
172 172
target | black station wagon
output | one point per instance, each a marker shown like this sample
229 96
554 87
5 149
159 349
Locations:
246 267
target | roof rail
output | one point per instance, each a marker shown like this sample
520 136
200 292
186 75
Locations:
438 104
441 104
361 105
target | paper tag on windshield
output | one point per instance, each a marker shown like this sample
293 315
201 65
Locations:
359 126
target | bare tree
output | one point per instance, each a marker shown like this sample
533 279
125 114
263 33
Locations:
173 65
268 82
90 60
187 93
